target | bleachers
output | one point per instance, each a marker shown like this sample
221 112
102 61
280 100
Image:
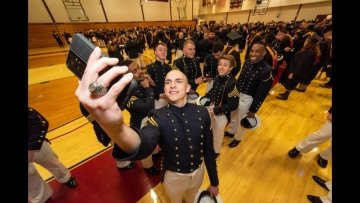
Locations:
40 34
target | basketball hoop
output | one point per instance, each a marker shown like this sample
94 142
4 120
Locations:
181 7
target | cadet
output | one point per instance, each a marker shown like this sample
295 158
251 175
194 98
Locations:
224 97
254 83
190 65
181 129
40 152
157 72
138 106
232 48
211 64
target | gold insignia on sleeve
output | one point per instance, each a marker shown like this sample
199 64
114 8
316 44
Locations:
90 118
234 93
270 77
131 101
151 121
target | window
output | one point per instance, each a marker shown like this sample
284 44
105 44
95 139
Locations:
75 10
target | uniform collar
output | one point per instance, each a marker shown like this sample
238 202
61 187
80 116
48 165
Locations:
178 109
224 77
258 63
159 62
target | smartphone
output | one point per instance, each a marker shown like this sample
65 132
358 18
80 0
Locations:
79 53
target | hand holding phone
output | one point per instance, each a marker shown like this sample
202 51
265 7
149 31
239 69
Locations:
79 52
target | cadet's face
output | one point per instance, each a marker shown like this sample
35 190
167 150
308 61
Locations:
189 50
328 36
211 35
280 35
257 52
217 54
161 52
135 70
176 87
224 67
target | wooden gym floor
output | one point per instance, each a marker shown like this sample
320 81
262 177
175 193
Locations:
257 170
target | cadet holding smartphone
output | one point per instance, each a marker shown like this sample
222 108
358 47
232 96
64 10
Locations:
181 129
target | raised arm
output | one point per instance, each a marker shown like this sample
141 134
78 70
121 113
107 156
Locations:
104 108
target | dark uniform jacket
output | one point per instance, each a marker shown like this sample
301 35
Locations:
138 106
158 71
37 129
191 68
211 66
205 48
236 55
184 136
224 95
301 66
255 80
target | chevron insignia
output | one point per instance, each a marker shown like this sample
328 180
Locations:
234 93
151 121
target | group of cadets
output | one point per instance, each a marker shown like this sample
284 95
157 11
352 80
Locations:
276 52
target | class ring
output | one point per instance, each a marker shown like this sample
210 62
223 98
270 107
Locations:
97 89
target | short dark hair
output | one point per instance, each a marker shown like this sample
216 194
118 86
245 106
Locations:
217 46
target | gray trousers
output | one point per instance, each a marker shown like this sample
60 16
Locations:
315 139
38 189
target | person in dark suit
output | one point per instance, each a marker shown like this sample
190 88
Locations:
232 48
40 152
211 64
224 97
57 37
181 129
157 72
299 70
254 83
190 66
139 106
